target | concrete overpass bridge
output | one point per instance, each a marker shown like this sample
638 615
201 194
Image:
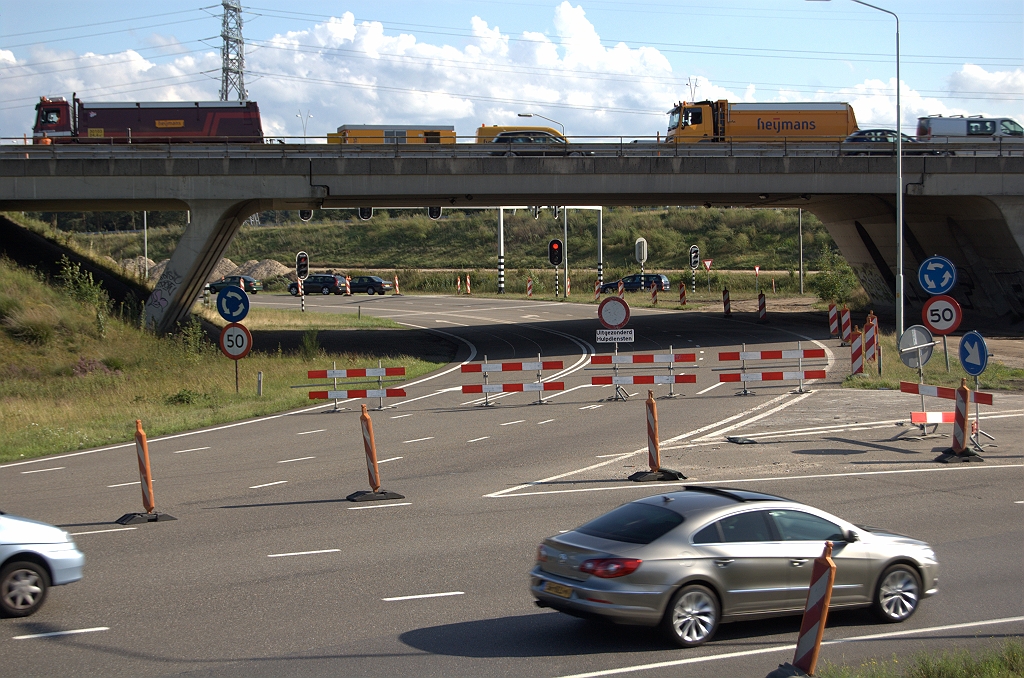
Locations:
967 208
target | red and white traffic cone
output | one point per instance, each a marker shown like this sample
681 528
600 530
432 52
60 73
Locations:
725 302
597 290
857 352
622 290
469 289
529 288
812 627
348 286
376 493
682 293
833 320
397 291
657 473
146 480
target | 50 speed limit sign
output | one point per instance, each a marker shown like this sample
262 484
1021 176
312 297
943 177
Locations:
941 314
235 341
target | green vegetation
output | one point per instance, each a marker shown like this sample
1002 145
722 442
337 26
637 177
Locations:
835 280
77 371
995 377
1005 662
293 319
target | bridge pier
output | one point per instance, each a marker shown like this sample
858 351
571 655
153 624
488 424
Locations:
213 224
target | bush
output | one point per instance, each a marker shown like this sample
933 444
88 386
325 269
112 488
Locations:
36 325
835 280
310 349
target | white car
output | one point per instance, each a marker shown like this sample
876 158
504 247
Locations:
33 557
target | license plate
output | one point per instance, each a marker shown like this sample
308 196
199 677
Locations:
558 589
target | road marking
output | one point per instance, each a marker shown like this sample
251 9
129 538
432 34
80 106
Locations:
509 423
306 433
562 393
417 440
425 595
276 482
476 440
194 449
1018 502
285 461
546 421
301 553
360 508
529 316
116 529
51 634
605 456
42 470
758 417
789 647
710 387
591 407
399 416
382 461
137 482
449 322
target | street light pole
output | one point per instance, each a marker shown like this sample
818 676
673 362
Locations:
303 120
899 174
538 115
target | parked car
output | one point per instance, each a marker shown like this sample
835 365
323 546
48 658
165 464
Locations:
322 283
884 136
246 282
33 557
691 559
370 284
533 143
638 282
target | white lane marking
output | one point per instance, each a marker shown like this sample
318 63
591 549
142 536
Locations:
301 553
384 461
116 529
1018 502
758 417
529 316
137 482
51 634
507 493
504 493
43 470
194 449
591 407
285 461
509 423
722 422
710 387
605 456
360 508
546 421
399 416
449 322
789 647
276 482
562 393
429 395
417 440
306 433
476 440
425 595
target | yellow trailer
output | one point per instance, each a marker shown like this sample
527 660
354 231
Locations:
485 133
393 134
723 121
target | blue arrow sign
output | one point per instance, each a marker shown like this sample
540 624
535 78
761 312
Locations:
937 275
232 304
973 353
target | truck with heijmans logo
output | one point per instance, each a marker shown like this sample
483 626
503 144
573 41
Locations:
709 121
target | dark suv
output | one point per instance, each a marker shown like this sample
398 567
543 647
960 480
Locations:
322 283
246 282
638 282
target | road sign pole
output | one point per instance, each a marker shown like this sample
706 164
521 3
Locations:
945 349
236 376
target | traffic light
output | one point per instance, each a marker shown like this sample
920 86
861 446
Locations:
694 257
301 265
434 213
555 252
365 213
305 215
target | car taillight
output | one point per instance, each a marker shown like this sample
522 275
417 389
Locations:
542 557
609 568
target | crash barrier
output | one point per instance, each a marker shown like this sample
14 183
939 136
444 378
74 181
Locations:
622 290
597 290
812 626
857 352
725 302
642 359
833 321
376 493
146 480
397 291
682 293
539 386
656 472
380 392
654 293
762 311
844 326
959 448
529 287
800 354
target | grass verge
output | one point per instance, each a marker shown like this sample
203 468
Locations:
293 319
996 377
1005 662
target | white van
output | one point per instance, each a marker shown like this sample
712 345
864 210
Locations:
957 128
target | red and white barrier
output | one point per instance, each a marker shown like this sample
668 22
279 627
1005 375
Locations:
514 388
360 372
960 415
568 284
772 355
469 368
844 325
469 287
458 285
743 377
833 320
645 379
800 374
622 290
682 293
726 303
762 310
597 290
538 386
643 358
931 417
358 393
348 286
654 293
397 291
529 288
857 353
943 392
812 626
870 337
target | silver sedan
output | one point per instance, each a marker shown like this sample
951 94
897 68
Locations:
33 557
689 560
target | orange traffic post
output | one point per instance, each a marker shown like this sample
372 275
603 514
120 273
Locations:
529 288
726 303
376 493
146 480
833 320
597 290
397 291
808 643
469 289
657 472
960 418
458 285
682 292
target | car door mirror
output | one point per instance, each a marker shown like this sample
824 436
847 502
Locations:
851 536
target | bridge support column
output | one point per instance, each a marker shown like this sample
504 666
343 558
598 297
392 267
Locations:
213 225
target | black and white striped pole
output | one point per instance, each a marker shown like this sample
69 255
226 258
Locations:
501 250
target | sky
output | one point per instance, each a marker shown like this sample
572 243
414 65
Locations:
601 68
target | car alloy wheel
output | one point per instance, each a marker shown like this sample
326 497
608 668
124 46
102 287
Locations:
693 616
23 588
325 291
369 290
898 593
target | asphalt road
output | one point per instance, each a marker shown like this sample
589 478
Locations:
270 571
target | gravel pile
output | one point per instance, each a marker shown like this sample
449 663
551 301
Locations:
224 267
137 265
261 270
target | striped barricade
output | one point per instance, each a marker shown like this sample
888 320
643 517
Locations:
857 352
812 626
597 290
800 374
642 359
146 480
833 321
958 418
931 417
870 336
943 392
762 309
539 386
845 327
359 372
529 288
336 394
654 293
725 302
622 290
358 393
682 292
